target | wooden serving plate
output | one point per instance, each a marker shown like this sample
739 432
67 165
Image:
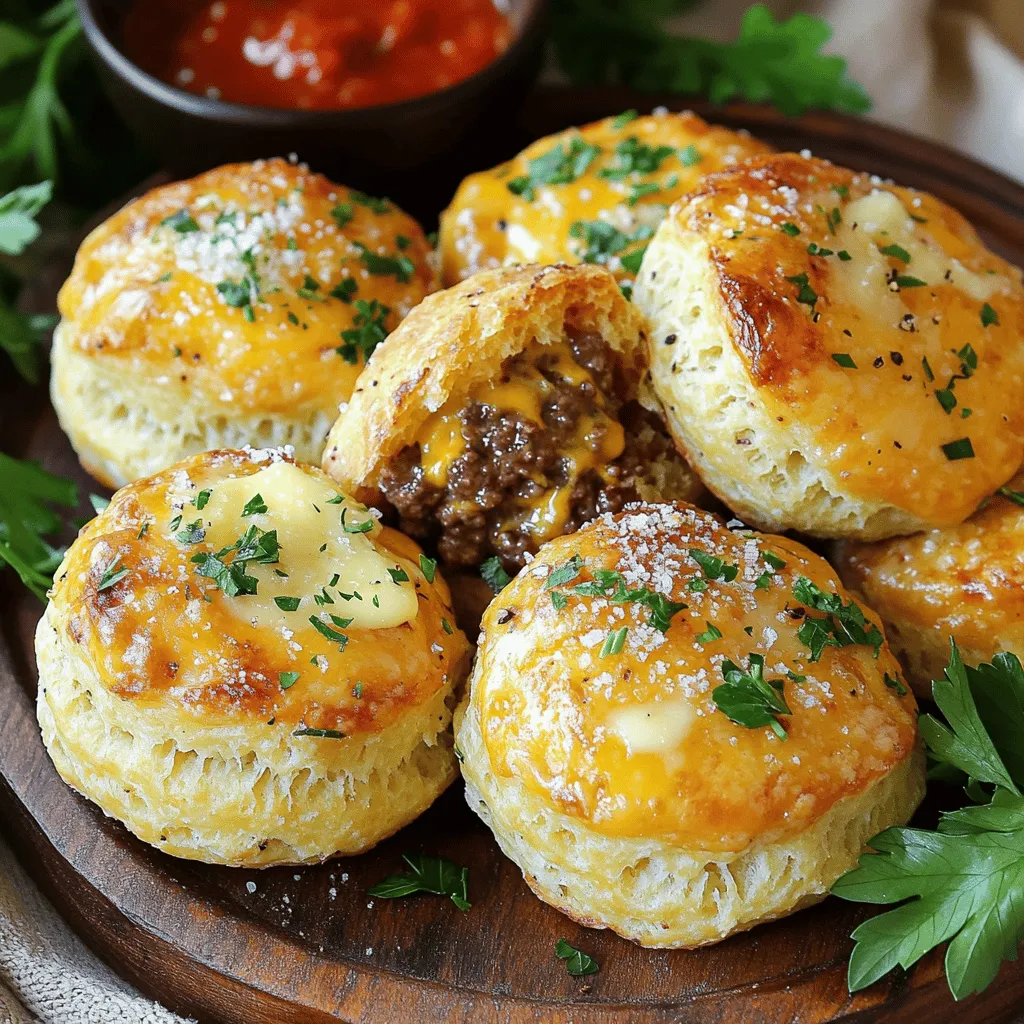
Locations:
309 945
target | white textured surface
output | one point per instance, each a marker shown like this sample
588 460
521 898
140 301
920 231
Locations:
46 973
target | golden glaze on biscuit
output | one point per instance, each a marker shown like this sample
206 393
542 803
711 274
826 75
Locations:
965 581
877 344
631 744
160 634
621 172
235 308
154 285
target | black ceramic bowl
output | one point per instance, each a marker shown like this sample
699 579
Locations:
415 151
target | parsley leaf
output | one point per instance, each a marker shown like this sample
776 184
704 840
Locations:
634 156
843 625
428 566
612 585
494 575
26 493
1017 497
368 330
385 266
577 963
560 165
565 573
714 568
428 874
748 699
780 62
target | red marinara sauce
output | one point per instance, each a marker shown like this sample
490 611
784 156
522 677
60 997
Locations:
314 54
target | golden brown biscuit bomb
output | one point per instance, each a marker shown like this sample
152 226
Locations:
234 308
242 666
633 791
504 412
594 193
965 582
835 354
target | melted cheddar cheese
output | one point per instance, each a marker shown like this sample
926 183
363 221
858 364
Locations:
328 622
621 174
632 742
246 286
874 325
598 438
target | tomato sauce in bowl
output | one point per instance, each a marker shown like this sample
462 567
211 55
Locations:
314 54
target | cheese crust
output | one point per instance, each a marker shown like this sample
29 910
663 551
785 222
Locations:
835 354
965 582
628 797
227 310
306 716
622 172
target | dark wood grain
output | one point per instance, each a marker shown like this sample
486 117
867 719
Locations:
310 946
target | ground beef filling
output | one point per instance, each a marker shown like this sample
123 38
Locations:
510 462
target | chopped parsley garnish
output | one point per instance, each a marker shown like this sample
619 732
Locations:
428 874
960 449
612 585
344 290
895 684
816 250
182 222
896 251
398 575
577 963
764 581
696 585
370 202
368 330
773 560
791 229
428 567
447 627
362 527
711 633
565 573
310 290
255 506
143 530
750 700
634 156
714 568
324 734
603 240
621 120
907 281
287 679
327 631
690 156
807 295
841 190
255 545
844 360
192 534
989 317
112 574
833 218
947 399
245 293
493 574
342 214
639 191
843 625
614 641
1017 497
386 266
558 600
631 261
926 366
558 166
844 255
201 499
288 604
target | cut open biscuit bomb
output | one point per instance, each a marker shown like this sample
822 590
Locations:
507 411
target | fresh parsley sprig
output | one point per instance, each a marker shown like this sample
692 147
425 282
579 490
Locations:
428 874
771 61
843 625
963 883
612 585
748 699
27 518
577 963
